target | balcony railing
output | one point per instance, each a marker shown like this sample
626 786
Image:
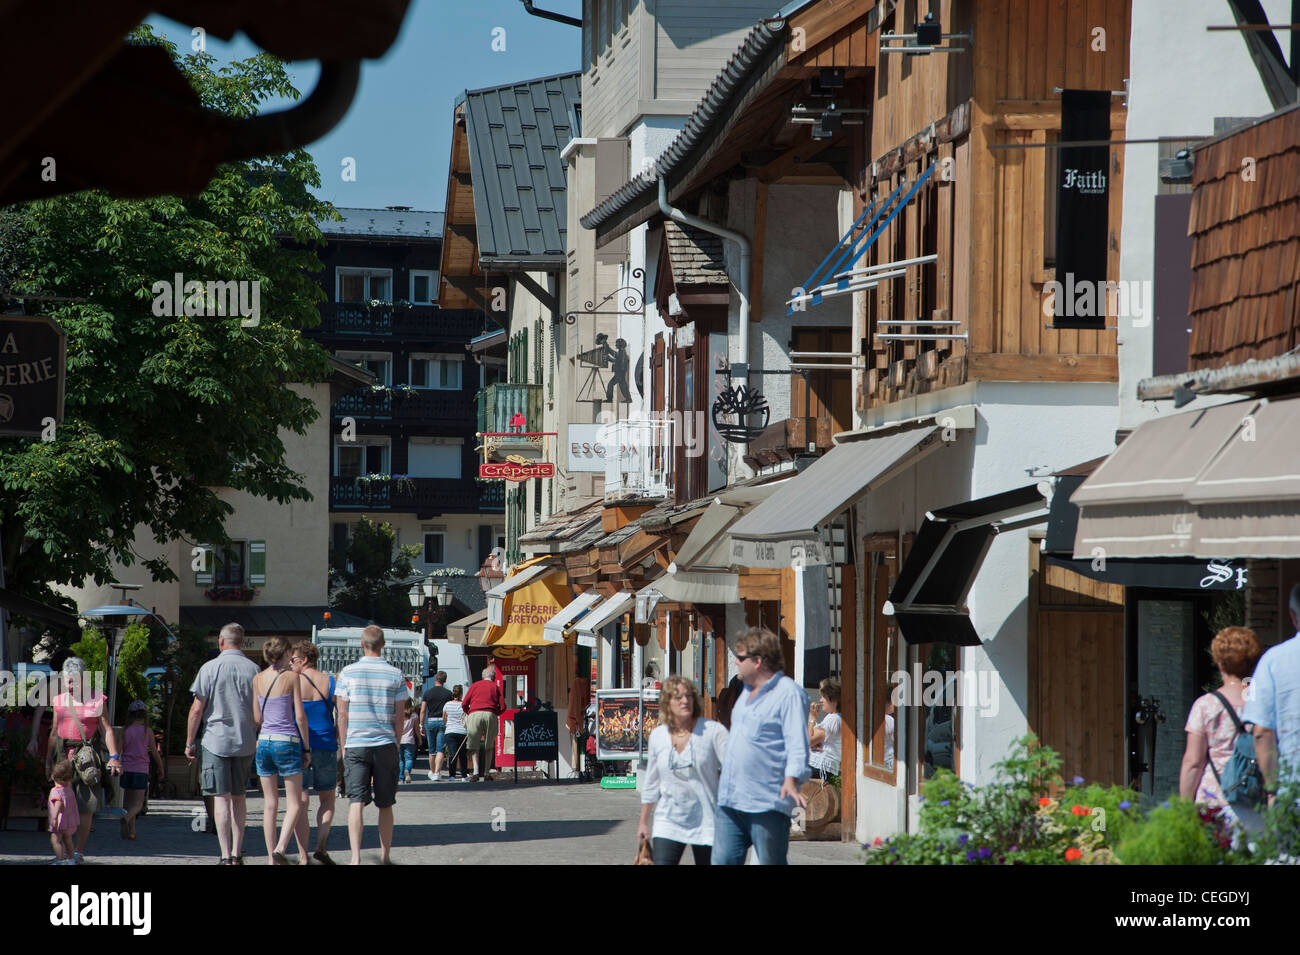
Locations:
638 459
409 406
446 495
498 403
405 321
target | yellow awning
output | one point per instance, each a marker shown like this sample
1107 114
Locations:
527 611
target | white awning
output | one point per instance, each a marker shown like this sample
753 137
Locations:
697 587
554 628
613 608
496 607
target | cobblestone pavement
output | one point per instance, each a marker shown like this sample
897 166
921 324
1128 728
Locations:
536 823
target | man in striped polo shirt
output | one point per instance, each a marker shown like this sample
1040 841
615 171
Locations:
370 694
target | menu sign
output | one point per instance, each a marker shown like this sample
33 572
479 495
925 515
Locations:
537 736
33 352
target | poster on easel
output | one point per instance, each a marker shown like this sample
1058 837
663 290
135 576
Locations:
624 721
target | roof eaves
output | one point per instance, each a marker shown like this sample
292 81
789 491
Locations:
700 125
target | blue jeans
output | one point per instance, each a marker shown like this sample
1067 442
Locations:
735 831
434 732
407 763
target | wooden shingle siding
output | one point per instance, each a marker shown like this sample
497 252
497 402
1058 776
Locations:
1245 292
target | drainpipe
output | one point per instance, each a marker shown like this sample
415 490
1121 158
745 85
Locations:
739 369
549 15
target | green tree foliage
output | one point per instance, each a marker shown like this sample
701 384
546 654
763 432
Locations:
160 410
132 660
369 589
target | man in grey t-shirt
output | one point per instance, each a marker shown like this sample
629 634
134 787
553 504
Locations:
223 714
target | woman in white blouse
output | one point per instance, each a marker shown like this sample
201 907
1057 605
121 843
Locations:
824 734
681 786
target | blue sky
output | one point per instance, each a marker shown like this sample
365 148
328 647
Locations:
399 126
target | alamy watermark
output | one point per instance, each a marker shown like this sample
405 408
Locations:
976 690
179 297
40 688
1131 299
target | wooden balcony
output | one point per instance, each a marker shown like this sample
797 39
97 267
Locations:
424 495
785 440
437 409
422 323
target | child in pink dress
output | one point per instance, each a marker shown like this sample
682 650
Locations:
64 817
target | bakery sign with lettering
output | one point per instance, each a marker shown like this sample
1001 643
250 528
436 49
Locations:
33 355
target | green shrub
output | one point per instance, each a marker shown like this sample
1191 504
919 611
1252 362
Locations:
1173 834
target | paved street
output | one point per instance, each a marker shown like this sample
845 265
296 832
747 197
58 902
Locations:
450 823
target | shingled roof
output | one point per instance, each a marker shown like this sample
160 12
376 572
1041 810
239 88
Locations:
696 256
385 223
515 135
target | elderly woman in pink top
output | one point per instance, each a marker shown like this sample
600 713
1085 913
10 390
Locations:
81 714
1211 729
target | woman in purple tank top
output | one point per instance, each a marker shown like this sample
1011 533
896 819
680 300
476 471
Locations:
281 751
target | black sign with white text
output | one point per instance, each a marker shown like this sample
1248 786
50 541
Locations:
1083 195
33 350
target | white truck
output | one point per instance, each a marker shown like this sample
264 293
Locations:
404 649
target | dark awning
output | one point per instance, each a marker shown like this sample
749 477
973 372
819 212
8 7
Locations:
929 598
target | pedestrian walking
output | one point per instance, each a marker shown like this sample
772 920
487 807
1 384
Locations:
222 715
371 694
281 752
139 749
80 733
483 705
1273 706
64 818
454 717
1211 728
435 727
406 747
766 759
683 765
321 775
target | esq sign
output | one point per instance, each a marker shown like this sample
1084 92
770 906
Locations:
33 353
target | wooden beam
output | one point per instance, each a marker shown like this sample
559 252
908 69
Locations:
953 126
1006 367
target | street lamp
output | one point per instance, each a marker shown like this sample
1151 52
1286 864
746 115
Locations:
491 573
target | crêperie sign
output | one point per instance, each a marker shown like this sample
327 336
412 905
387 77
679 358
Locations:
33 353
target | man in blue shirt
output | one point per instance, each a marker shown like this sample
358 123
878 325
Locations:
1273 705
767 757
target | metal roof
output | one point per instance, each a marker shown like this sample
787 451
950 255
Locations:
759 44
515 135
385 223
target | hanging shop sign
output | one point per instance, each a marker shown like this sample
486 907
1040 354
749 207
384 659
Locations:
750 410
33 353
516 472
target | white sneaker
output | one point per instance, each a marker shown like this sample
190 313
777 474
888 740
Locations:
433 777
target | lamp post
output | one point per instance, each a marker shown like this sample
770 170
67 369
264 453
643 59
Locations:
422 595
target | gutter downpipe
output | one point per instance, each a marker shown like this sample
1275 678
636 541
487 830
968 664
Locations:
739 369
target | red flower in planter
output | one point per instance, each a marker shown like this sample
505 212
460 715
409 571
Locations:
1081 811
1044 801
1073 855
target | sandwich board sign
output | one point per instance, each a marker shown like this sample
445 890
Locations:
33 357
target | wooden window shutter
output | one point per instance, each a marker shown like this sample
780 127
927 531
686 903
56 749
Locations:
256 563
203 578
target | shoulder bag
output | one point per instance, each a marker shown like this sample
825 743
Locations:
1242 781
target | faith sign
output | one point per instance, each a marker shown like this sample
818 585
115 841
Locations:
33 355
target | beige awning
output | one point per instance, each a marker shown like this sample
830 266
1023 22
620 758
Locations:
1218 482
693 587
469 631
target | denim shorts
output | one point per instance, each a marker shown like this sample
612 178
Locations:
135 780
279 757
435 734
323 773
